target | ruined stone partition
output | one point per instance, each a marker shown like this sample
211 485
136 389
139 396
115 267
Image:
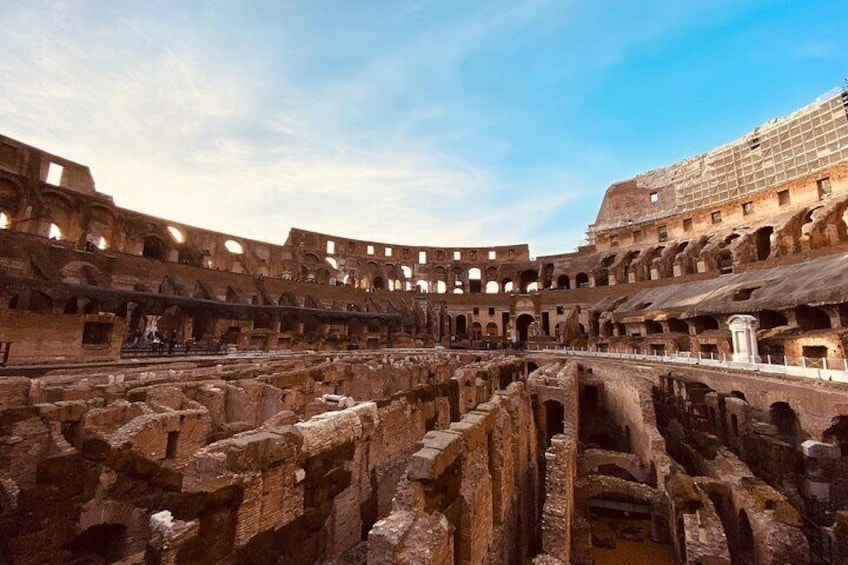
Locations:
474 486
266 460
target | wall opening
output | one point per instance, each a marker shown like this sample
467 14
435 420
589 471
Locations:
764 243
554 420
154 248
101 543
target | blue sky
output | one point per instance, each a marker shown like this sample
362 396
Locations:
421 122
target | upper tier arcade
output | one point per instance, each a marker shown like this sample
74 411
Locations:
778 152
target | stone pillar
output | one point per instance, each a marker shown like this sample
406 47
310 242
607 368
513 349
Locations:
743 328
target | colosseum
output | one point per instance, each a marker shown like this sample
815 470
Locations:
672 392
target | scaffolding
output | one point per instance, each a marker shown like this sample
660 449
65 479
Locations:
810 139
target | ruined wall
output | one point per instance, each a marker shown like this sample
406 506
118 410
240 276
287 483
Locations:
474 484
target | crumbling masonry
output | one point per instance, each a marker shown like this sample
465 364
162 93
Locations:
334 400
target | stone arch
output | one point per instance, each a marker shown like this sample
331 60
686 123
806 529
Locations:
563 282
81 305
10 195
526 278
652 327
476 331
461 326
581 280
784 418
762 240
547 275
677 325
704 323
289 322
811 318
522 324
769 319
154 248
59 208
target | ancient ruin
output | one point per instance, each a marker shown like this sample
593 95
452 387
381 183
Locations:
676 391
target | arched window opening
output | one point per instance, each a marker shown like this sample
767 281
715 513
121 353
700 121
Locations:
154 248
704 323
263 321
176 234
725 262
508 285
55 232
4 221
491 329
40 302
441 287
652 327
492 287
563 282
582 280
783 417
461 327
379 283
532 287
763 240
475 283
811 318
234 247
770 319
677 325
522 324
476 331
527 277
548 276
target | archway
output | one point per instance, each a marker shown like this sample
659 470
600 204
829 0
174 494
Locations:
763 240
522 324
476 331
527 277
461 327
581 280
563 282
812 318
783 417
154 248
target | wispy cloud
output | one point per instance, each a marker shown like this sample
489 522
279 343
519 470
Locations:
430 122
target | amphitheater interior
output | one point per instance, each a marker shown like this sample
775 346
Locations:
675 391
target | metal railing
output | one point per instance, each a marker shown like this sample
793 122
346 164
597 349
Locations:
825 369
